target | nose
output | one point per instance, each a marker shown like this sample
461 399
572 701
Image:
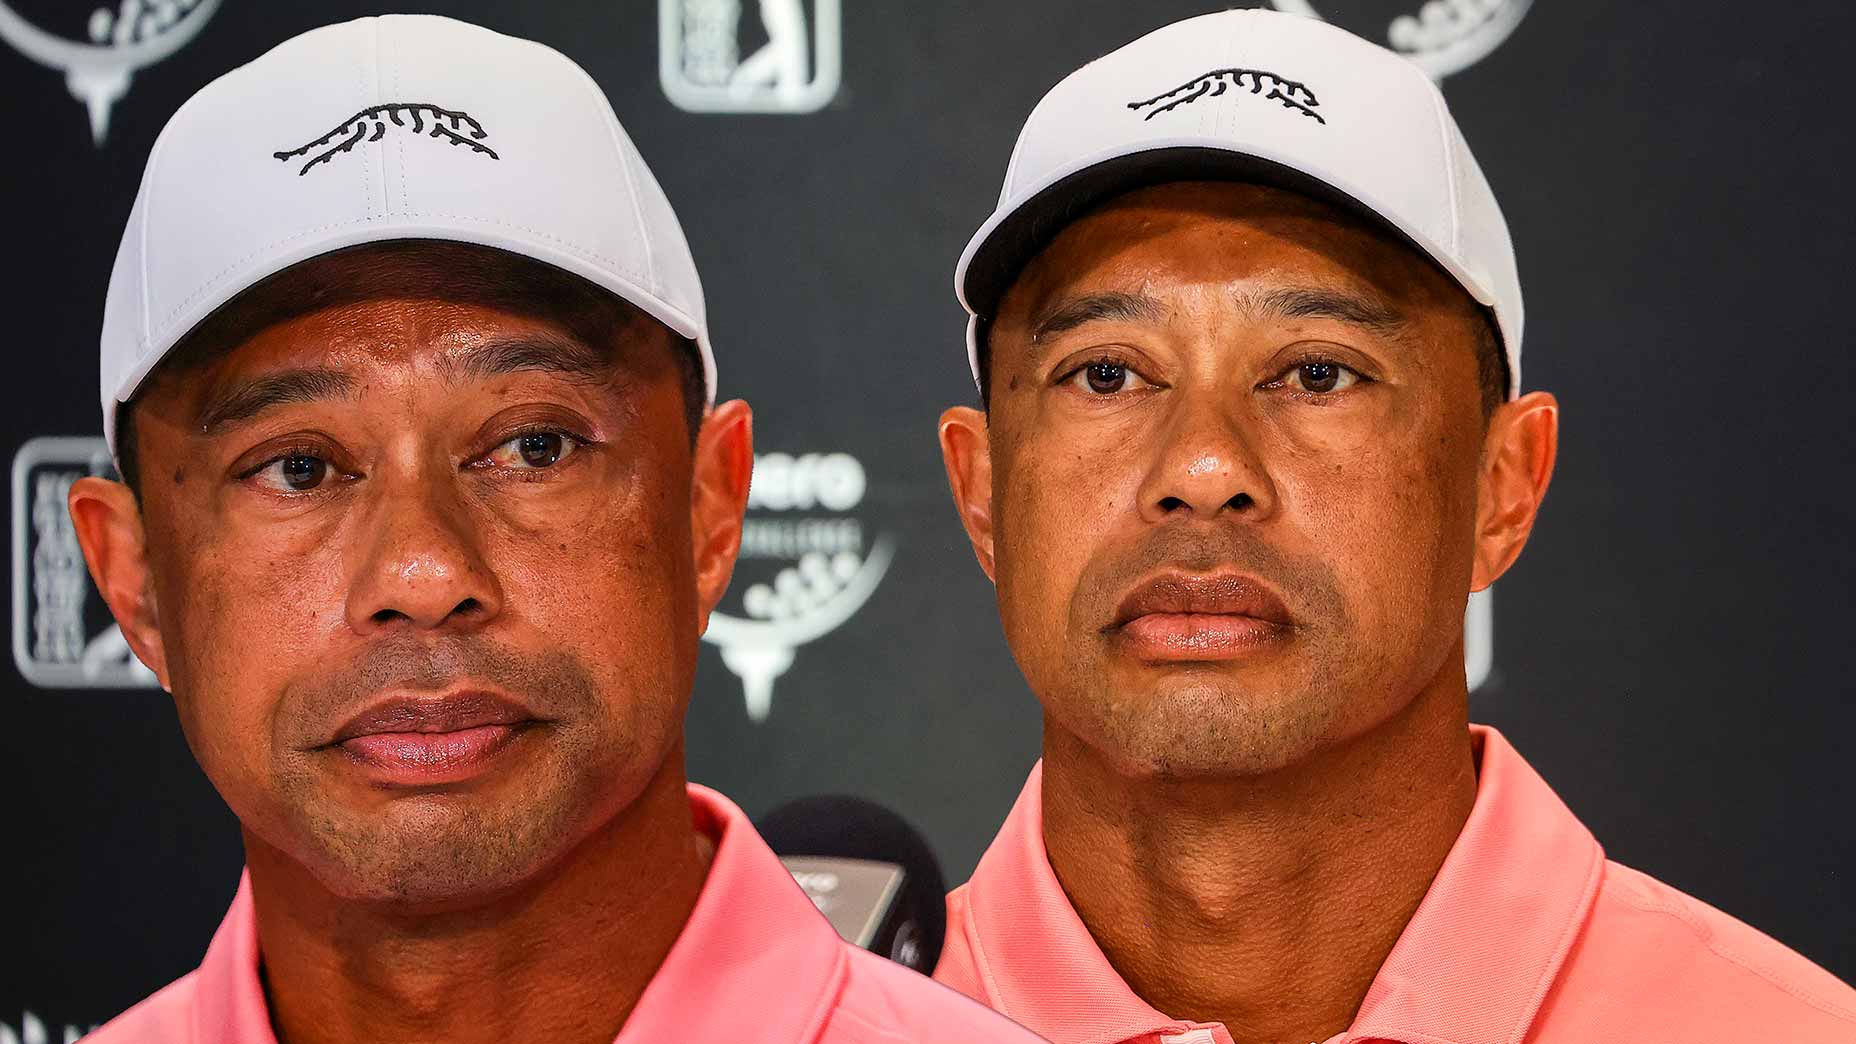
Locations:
1206 466
422 564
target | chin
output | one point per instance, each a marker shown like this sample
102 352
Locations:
448 855
1208 728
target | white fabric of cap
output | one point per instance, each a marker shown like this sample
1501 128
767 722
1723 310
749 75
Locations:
1291 91
395 127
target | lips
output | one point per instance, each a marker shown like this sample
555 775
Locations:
428 739
1199 616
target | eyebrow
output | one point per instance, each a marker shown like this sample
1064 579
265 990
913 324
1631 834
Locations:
1320 302
1109 306
247 399
496 357
528 352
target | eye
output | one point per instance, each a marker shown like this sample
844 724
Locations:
534 450
1319 377
1105 377
294 472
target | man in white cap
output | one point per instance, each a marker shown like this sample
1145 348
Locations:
1247 332
405 365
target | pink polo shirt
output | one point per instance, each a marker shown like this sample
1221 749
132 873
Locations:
1528 934
756 962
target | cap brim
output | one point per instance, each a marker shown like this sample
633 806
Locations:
676 319
994 262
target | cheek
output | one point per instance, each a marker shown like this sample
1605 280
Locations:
1055 501
240 620
1389 519
610 579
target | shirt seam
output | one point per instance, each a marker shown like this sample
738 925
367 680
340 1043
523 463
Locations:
883 1031
831 999
1707 939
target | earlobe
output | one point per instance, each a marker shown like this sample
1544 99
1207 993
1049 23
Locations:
109 529
966 449
723 467
1517 466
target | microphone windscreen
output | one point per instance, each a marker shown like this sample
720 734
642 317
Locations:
913 923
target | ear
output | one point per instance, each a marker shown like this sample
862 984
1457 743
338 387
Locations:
1517 464
109 529
966 449
724 463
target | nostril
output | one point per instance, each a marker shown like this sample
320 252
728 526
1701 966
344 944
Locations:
468 607
1239 502
1170 504
385 616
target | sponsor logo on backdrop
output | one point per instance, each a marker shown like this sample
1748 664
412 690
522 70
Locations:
749 55
371 125
1445 36
807 565
1291 94
63 635
32 1030
124 38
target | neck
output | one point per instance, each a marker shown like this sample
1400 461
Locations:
564 958
1266 903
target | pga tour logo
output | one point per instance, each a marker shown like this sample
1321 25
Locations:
749 55
63 635
806 567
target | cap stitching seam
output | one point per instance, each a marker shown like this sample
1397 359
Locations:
145 336
1447 145
400 148
367 185
604 107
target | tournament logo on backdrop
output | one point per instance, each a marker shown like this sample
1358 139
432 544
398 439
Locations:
749 55
1443 36
63 634
807 565
123 39
32 1030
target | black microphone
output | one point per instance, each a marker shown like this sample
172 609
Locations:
871 874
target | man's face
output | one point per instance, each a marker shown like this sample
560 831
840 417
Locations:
427 581
1234 445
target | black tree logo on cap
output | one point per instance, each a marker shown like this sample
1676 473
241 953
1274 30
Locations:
1291 94
460 128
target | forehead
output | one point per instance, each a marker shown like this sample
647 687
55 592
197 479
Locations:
395 303
387 332
1198 234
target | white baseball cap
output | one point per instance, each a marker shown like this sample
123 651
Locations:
1258 96
397 127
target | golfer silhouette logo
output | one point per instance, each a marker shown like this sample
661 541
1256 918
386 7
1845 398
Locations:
714 58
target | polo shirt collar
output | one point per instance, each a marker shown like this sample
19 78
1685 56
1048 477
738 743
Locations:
1471 967
754 956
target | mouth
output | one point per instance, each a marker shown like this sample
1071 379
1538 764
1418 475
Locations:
425 739
1199 617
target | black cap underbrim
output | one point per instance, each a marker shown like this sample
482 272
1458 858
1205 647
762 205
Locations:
1030 228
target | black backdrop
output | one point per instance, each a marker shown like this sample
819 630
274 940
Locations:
1666 652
